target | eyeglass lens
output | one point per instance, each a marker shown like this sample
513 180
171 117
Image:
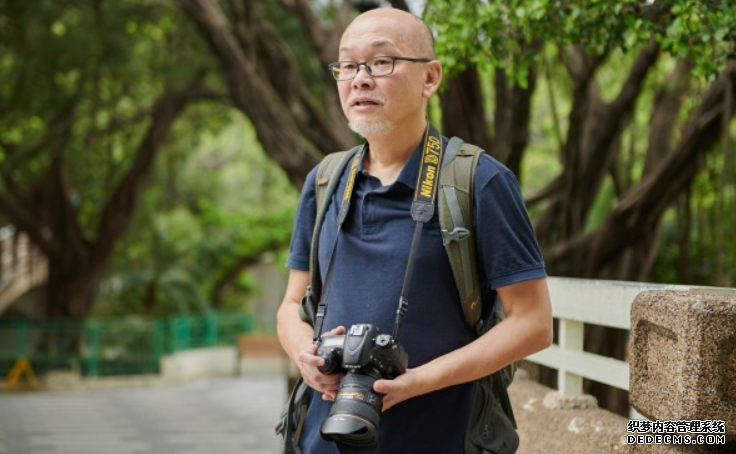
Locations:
378 66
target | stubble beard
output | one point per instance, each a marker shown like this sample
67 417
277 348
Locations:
372 128
369 127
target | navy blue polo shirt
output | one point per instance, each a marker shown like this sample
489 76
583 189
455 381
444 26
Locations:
369 266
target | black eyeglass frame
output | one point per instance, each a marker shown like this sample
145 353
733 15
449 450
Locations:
393 59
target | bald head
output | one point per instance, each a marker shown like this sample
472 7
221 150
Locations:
378 106
410 32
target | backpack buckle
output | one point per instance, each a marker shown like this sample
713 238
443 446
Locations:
457 234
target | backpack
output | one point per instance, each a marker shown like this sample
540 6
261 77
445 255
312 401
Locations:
492 426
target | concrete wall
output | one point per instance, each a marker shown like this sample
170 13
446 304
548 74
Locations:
200 363
272 277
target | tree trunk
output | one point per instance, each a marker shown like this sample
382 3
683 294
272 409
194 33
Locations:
290 124
463 114
228 278
645 203
231 274
70 292
684 229
76 262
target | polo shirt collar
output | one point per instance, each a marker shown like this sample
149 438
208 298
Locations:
410 172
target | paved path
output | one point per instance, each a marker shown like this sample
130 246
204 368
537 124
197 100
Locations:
224 416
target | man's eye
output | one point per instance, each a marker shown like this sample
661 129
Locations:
348 66
382 62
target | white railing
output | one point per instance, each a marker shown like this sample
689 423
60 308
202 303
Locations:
579 301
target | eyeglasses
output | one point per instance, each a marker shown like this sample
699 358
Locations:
376 66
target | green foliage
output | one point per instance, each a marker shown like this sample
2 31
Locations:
211 203
159 270
513 35
502 33
98 69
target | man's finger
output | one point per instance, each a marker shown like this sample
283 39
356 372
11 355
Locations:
337 331
308 358
328 380
332 378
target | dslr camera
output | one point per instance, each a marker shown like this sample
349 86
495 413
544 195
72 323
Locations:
364 355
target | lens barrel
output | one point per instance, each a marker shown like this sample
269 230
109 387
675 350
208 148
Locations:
353 419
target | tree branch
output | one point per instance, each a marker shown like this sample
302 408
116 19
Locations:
553 103
593 134
463 113
22 220
322 38
644 205
58 213
400 4
59 126
228 278
521 112
582 68
327 118
665 109
279 130
119 209
14 189
600 146
544 193
119 123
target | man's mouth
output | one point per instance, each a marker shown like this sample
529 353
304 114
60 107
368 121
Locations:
365 103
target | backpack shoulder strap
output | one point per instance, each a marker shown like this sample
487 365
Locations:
328 178
456 221
327 168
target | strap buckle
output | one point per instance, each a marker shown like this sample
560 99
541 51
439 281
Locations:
480 327
457 234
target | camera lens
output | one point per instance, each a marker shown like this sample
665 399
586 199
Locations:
353 419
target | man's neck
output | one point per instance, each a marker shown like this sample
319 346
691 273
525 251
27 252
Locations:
388 154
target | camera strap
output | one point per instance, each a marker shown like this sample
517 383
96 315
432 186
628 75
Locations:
422 210
343 213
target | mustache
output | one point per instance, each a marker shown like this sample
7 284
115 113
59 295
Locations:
376 97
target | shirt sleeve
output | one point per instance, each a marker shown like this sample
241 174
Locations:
507 247
301 236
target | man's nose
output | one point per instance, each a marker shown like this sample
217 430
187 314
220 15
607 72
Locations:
363 79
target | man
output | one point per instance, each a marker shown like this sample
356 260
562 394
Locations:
425 410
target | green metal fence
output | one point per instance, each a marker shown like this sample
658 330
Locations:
103 347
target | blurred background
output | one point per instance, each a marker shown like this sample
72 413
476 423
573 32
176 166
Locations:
152 152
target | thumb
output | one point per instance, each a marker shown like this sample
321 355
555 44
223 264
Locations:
382 386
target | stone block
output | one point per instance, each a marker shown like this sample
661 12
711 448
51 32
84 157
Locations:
555 401
259 346
683 356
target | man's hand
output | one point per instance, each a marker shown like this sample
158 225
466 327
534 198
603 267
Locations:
327 384
527 329
399 389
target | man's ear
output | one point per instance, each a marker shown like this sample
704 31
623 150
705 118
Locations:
432 78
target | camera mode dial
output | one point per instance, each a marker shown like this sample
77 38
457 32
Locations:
384 340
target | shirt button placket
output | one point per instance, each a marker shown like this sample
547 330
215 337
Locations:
369 211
